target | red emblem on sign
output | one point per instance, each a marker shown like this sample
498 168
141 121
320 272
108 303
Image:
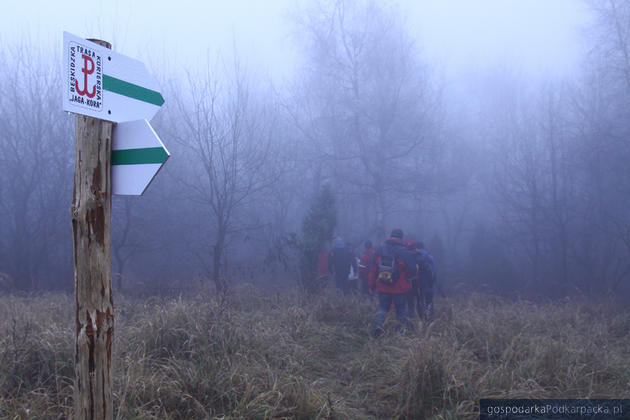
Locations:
88 68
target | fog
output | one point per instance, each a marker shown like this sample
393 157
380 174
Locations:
496 132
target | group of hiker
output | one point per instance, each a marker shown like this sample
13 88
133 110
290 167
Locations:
401 274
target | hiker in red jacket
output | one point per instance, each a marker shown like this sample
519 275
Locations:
392 267
365 264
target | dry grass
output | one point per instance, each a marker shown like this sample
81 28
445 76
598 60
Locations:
292 356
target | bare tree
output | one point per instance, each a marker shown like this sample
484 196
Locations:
226 130
35 170
611 39
369 106
603 106
535 177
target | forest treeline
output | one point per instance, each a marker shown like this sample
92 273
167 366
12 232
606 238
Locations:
515 185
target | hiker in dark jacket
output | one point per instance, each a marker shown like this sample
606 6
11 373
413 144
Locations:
392 286
426 280
340 260
365 264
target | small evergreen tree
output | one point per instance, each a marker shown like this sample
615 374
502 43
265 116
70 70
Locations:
317 228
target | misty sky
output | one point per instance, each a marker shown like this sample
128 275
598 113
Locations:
533 36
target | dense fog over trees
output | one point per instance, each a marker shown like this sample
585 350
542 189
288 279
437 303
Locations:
518 185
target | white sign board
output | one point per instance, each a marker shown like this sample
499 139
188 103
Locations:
137 156
101 83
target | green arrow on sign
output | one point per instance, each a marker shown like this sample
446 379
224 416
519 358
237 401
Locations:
132 91
137 156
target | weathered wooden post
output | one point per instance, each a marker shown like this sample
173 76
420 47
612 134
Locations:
103 87
91 219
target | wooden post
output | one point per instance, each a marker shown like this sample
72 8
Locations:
91 218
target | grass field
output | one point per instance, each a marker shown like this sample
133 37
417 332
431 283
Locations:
294 356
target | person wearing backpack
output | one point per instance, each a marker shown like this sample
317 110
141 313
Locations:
340 260
365 264
393 264
426 280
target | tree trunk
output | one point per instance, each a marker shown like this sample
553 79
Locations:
91 217
219 248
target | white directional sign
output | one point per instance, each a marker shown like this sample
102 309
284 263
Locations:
101 83
137 156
